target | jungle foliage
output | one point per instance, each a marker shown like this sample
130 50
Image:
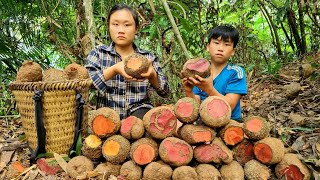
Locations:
57 32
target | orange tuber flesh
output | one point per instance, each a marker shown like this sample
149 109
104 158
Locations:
112 148
233 135
254 125
144 154
203 136
263 153
102 125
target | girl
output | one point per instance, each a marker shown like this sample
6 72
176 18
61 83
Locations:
121 92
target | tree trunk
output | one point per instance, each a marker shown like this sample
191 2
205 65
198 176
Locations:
293 27
303 47
272 27
90 20
175 28
287 36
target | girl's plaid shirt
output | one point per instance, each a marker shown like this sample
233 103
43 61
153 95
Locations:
117 93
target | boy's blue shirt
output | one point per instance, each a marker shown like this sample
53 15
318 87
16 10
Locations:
232 79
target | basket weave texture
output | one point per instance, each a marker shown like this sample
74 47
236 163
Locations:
58 111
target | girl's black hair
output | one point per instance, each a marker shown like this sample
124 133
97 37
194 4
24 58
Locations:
226 32
124 6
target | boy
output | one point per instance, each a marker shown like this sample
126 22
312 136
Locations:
226 80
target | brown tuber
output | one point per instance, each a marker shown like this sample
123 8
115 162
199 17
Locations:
292 90
216 152
104 122
208 172
160 122
269 150
196 66
75 71
136 64
232 171
232 133
194 134
215 112
130 170
187 110
53 75
256 127
184 173
29 72
243 152
79 166
157 171
92 147
144 151
254 170
116 149
132 128
175 152
291 168
103 170
114 168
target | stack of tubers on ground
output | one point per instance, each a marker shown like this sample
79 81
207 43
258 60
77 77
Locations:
31 71
155 147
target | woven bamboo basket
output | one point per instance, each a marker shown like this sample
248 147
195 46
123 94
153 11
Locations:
59 111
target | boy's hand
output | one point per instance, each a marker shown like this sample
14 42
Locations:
205 84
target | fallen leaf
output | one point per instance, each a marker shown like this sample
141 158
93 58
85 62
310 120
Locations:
296 118
299 143
2 165
63 164
47 169
318 148
6 156
17 165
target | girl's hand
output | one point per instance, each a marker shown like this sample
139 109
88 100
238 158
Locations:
119 69
187 85
150 74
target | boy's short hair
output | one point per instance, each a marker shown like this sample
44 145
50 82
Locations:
226 32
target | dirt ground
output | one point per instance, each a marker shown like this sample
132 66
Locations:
294 114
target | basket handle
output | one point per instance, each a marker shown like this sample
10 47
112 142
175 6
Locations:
41 131
78 125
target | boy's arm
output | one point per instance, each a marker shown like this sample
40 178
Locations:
231 98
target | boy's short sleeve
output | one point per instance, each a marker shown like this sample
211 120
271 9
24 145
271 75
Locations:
198 91
238 83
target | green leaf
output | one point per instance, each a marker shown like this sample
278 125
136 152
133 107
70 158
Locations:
22 137
302 129
186 24
79 145
46 155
